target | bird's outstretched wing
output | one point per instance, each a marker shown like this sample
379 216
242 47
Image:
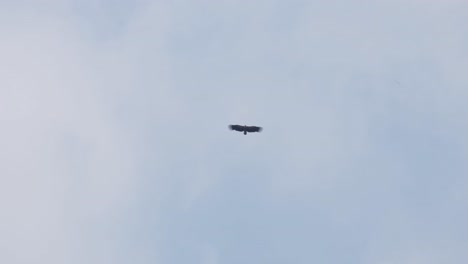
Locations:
236 128
253 129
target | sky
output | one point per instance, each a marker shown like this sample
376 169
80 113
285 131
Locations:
115 146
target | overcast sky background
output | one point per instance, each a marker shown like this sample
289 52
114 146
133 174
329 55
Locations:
115 146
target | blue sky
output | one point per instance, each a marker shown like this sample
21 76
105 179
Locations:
115 146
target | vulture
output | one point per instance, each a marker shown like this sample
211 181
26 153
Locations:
245 129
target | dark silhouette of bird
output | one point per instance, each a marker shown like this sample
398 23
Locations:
245 129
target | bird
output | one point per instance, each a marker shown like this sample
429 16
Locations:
245 128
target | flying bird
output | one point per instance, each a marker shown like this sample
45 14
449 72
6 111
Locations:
245 129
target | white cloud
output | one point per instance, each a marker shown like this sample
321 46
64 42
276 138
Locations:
66 162
116 148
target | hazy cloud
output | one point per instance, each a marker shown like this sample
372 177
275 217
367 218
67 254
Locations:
116 148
